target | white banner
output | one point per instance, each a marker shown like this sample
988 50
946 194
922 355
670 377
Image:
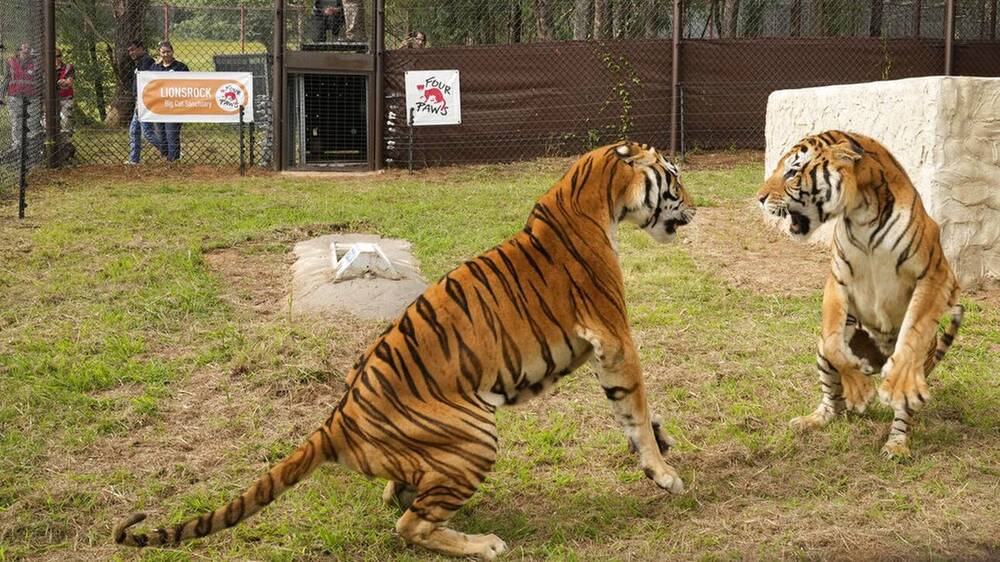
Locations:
194 97
433 97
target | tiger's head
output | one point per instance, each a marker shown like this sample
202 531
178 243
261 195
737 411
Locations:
812 182
653 196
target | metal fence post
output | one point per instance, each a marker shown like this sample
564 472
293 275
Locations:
278 97
674 77
949 34
680 95
253 159
23 178
51 92
243 160
409 158
379 157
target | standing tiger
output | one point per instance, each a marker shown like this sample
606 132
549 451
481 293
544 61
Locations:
889 281
499 329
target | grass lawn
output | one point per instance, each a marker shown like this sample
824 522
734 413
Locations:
146 364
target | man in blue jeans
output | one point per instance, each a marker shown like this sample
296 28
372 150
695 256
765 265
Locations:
136 129
169 133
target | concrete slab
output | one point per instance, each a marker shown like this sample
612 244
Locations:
314 293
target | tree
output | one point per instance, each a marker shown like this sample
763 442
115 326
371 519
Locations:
514 23
600 19
795 19
650 18
130 18
730 19
753 22
543 20
875 24
581 18
81 26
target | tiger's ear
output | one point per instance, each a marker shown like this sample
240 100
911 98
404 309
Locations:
627 151
847 151
633 153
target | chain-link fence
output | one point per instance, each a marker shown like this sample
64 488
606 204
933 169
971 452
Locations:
21 79
560 76
538 77
95 38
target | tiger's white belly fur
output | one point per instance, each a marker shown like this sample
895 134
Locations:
535 377
877 295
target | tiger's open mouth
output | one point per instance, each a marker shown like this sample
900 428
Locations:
799 223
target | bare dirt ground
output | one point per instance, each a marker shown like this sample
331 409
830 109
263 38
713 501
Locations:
732 242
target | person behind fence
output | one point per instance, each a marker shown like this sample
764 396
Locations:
326 14
415 40
21 84
354 17
170 133
137 129
65 74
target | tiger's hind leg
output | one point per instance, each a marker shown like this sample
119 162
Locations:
832 402
866 359
399 494
841 380
424 522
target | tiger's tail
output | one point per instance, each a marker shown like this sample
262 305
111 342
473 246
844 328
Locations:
945 339
316 450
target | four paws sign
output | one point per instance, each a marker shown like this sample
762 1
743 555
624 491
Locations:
432 97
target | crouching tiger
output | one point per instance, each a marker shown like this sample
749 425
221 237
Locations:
889 282
497 330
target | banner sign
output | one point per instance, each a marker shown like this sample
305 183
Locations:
433 96
194 97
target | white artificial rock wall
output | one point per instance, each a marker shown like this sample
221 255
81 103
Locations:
945 131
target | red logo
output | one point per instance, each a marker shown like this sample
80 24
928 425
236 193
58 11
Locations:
433 95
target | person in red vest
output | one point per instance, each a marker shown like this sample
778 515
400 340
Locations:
22 84
65 73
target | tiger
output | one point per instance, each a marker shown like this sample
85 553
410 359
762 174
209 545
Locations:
498 330
889 282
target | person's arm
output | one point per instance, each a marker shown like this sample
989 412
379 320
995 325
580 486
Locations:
67 82
5 82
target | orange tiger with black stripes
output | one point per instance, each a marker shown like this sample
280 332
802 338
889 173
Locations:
497 330
889 282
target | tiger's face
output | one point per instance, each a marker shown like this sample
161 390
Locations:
655 199
809 185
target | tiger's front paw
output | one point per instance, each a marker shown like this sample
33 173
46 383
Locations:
665 477
858 390
896 448
904 387
820 417
663 441
807 423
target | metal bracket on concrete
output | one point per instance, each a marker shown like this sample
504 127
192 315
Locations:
360 259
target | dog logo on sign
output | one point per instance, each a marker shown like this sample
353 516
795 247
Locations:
229 97
433 95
